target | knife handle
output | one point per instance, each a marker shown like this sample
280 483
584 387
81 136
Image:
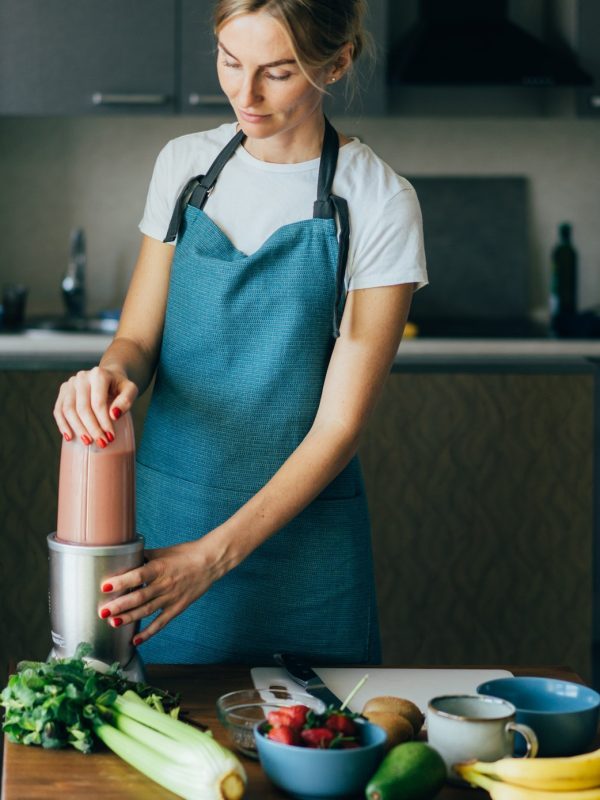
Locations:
301 672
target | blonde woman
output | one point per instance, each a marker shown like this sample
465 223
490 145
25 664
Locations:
274 280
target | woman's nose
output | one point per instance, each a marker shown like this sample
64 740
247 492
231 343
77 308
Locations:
248 94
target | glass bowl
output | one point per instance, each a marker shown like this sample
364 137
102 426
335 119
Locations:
239 712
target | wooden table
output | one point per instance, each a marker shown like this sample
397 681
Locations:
31 773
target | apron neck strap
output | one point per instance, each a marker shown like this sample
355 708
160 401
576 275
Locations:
327 166
197 189
327 206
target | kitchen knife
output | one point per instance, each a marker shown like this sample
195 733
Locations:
306 677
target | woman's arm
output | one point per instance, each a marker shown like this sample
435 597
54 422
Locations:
86 403
371 330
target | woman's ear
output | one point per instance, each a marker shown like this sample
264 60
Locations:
341 63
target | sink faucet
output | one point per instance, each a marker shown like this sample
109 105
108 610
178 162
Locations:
73 282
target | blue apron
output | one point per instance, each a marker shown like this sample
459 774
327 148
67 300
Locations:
246 345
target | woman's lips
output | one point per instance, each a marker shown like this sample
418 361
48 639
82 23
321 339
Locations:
252 117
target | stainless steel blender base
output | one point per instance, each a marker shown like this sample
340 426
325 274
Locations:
75 599
133 671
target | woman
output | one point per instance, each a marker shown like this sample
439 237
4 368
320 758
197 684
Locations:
272 325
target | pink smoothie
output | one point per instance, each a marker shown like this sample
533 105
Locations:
96 491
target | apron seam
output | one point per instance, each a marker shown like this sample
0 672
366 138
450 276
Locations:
318 499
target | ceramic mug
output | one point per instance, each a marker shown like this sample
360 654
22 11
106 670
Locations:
462 727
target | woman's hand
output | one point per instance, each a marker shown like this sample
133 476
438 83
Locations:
171 580
89 401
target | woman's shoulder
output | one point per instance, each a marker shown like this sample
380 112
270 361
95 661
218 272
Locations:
363 173
196 150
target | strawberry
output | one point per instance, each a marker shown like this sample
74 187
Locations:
297 715
317 737
350 745
340 723
279 717
284 734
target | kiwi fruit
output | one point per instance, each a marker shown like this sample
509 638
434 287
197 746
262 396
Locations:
397 728
397 705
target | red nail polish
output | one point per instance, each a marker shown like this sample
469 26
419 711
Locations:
107 587
67 437
105 613
116 412
117 621
101 443
137 640
86 439
109 436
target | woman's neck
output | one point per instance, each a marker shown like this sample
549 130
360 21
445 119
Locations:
303 142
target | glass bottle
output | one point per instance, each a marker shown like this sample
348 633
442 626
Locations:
563 286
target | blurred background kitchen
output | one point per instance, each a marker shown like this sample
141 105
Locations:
480 457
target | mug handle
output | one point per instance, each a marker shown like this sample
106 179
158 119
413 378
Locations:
531 740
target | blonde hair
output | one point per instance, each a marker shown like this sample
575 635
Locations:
317 29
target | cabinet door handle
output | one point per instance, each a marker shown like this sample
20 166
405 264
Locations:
207 99
105 99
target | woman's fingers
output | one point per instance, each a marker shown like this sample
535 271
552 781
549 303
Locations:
61 420
170 580
67 405
83 406
131 580
127 393
83 402
132 612
157 624
100 383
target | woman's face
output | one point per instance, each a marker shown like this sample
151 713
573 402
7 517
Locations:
261 78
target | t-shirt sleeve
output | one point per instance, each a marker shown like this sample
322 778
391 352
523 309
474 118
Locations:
391 248
161 198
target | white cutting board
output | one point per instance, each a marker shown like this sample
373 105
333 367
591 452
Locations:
418 685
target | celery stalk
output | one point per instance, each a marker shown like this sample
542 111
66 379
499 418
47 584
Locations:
181 758
188 782
162 744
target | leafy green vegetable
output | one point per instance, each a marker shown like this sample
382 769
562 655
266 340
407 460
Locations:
56 704
65 702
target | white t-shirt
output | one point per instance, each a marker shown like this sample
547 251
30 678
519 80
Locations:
253 198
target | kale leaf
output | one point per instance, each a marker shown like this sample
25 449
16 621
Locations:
55 703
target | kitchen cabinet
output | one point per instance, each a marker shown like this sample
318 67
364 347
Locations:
480 487
200 90
87 56
129 56
588 99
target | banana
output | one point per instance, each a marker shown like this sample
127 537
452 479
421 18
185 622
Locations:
551 774
498 790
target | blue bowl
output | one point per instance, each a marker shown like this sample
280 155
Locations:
312 774
564 715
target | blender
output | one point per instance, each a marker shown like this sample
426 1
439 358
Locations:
94 540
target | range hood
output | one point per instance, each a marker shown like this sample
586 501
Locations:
472 42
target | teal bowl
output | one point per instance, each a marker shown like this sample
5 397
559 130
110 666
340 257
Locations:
564 715
311 774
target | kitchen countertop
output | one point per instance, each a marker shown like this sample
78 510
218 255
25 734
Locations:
31 773
39 350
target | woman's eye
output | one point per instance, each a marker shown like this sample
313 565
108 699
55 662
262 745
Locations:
277 77
230 64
